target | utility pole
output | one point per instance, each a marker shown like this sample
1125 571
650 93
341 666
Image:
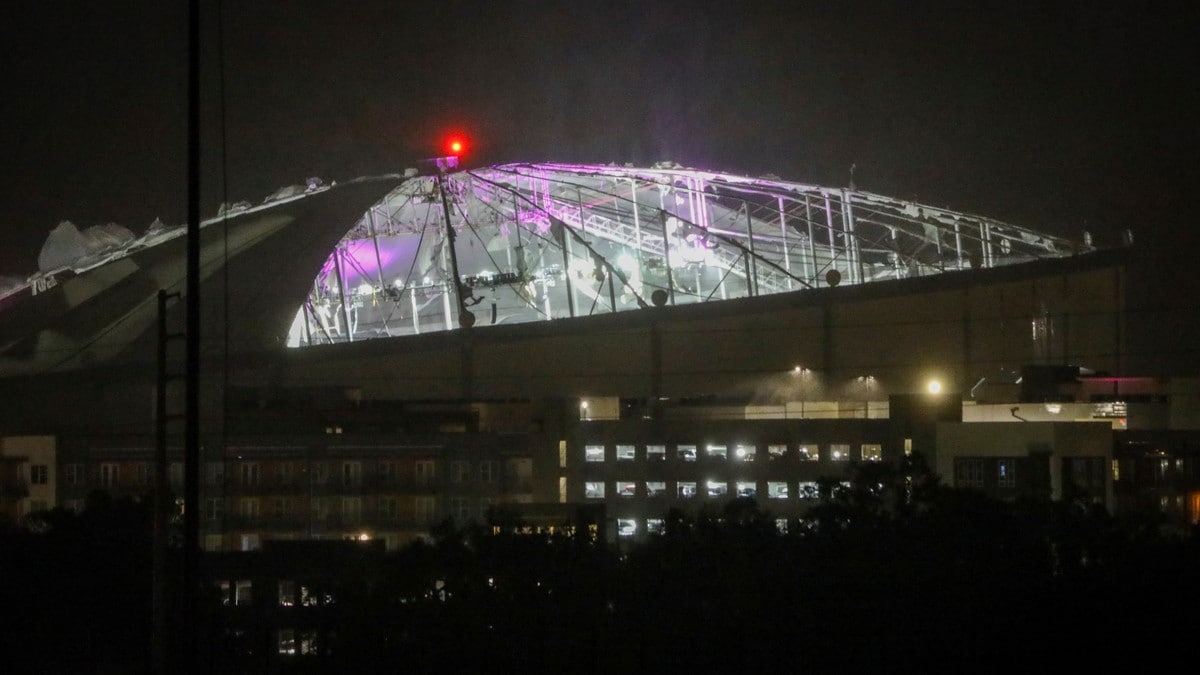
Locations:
191 469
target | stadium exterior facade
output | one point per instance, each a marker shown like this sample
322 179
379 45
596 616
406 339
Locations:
642 338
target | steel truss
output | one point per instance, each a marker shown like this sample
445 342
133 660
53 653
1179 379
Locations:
537 242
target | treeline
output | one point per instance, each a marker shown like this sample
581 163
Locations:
895 571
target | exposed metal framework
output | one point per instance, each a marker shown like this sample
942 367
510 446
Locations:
536 242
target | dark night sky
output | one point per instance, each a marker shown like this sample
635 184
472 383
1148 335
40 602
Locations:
1060 116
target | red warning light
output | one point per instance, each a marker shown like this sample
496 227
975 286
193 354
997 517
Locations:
455 146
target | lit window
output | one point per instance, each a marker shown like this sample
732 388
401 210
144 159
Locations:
717 488
809 490
626 527
593 453
562 454
626 488
747 489
687 453
287 642
839 452
777 490
717 452
777 451
287 593
781 525
626 453
744 453
1006 475
655 526
593 489
1116 470
685 489
655 488
807 452
872 452
656 453
908 448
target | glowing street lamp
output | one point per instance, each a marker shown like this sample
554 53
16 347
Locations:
934 387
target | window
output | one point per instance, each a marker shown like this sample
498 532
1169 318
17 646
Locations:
460 471
781 525
655 488
320 473
908 448
807 452
283 473
744 453
968 473
593 489
351 510
686 453
426 509
425 471
593 453
777 490
320 509
250 474
248 508
489 471
626 527
520 472
242 595
214 474
389 508
717 452
717 488
110 475
284 507
175 474
1116 470
656 453
287 593
212 508
839 452
655 526
872 452
351 474
685 489
626 488
39 474
1006 474
562 454
74 473
626 453
388 474
747 489
809 490
461 510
